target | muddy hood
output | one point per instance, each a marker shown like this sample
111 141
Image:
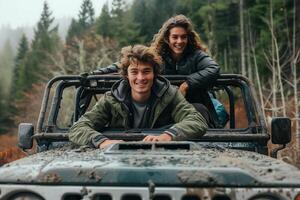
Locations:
198 167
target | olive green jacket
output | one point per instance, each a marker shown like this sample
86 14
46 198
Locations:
113 111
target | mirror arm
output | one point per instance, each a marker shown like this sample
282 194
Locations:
275 151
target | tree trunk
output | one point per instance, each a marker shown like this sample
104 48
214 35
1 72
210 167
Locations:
295 82
243 65
274 81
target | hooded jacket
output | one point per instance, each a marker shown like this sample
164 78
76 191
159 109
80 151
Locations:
113 110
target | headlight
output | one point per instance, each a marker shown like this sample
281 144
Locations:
25 196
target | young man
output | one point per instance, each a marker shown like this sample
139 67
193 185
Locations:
142 99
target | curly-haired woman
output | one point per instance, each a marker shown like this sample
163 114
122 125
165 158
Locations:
180 48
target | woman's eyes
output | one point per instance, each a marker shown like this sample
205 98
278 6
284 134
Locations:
181 37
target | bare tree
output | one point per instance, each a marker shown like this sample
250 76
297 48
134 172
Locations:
294 60
243 64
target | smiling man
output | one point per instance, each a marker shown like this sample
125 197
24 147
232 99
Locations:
142 99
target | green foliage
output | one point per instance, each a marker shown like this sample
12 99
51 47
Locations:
86 19
86 14
6 69
149 15
104 23
45 43
118 24
20 73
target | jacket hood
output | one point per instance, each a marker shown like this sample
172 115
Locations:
121 89
199 166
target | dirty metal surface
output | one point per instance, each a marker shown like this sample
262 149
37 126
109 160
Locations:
199 166
176 193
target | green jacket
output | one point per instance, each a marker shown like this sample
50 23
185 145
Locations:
113 111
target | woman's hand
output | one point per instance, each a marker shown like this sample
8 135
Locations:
183 88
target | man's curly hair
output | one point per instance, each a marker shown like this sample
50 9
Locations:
161 39
139 53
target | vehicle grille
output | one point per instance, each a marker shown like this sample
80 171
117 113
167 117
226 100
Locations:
50 192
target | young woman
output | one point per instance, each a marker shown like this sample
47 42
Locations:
180 48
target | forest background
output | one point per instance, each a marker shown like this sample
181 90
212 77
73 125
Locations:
257 38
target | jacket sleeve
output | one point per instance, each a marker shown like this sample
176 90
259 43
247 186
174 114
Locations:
189 123
113 68
207 71
83 132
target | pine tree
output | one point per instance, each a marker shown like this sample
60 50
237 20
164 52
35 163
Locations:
74 30
86 19
103 23
20 73
45 42
6 68
45 35
86 14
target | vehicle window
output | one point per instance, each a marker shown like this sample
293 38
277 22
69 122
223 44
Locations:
230 102
66 111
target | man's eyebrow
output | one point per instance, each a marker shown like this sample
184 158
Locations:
132 68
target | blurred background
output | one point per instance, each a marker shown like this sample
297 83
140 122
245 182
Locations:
40 39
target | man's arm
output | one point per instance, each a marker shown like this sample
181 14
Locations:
189 123
113 68
83 132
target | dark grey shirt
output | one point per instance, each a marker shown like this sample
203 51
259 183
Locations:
139 112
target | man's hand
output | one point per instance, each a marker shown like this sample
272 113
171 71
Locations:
107 143
155 138
183 88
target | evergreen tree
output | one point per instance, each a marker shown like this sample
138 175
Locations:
86 19
118 24
86 15
4 114
74 30
46 42
20 73
149 15
6 68
103 23
45 35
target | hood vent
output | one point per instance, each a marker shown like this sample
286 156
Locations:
132 146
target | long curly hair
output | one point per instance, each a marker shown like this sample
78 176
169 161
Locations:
141 53
161 39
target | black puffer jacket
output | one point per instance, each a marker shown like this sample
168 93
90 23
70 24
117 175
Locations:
202 71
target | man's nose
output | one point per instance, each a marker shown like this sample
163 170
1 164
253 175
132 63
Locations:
140 75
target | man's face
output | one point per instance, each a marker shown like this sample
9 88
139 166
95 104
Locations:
140 76
177 41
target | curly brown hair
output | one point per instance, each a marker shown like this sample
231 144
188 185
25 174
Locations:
141 53
161 39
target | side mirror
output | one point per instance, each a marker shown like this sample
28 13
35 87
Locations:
281 130
25 134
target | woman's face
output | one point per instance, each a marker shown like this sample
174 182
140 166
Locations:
178 40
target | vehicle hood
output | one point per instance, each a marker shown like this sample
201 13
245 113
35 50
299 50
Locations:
199 166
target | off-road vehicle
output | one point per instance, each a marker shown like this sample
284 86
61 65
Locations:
227 163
